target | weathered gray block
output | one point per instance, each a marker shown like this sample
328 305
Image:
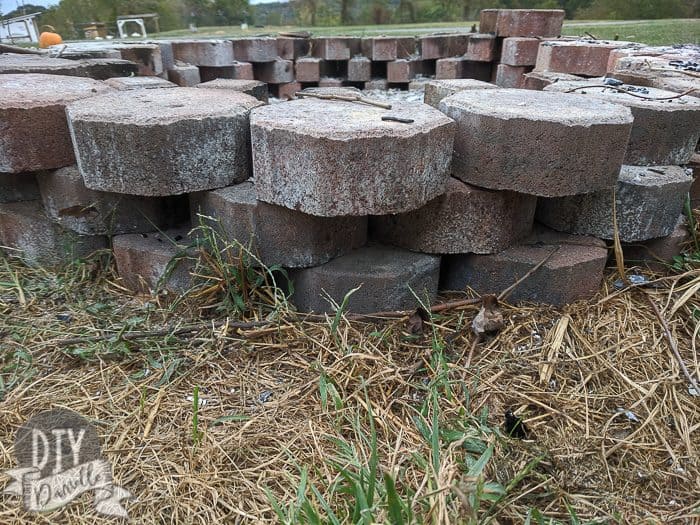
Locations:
648 203
277 235
335 48
97 68
436 90
291 48
213 53
275 72
148 262
129 83
359 69
254 88
464 219
522 22
574 272
77 208
333 158
519 51
26 232
664 132
539 143
16 187
33 129
162 142
308 69
657 254
387 278
184 75
255 49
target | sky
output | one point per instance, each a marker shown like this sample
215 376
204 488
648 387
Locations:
9 5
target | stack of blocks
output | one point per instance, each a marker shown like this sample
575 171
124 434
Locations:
471 189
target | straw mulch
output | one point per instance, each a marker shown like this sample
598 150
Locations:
613 426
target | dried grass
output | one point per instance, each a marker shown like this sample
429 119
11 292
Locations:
572 374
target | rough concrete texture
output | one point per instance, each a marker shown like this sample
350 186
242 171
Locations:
539 143
98 69
522 22
442 46
664 132
657 254
335 48
436 90
386 48
376 84
68 202
359 69
648 201
255 49
482 48
333 158
27 232
129 83
346 91
308 69
288 90
238 71
694 166
511 76
162 142
291 48
254 88
212 53
578 57
277 235
184 75
519 51
402 71
275 72
464 219
330 82
538 80
16 187
148 262
388 277
572 273
33 130
448 68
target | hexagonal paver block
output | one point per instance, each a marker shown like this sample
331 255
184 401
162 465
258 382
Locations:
162 142
33 130
387 278
27 232
129 83
539 143
154 261
16 187
657 254
464 219
277 235
664 132
648 203
254 88
68 202
572 273
329 157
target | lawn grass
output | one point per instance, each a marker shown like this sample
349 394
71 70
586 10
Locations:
653 32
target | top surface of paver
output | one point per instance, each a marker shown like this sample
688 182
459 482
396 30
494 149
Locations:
33 89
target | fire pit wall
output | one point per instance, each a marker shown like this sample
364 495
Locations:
513 163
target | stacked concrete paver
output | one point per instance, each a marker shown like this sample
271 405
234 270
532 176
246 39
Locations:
473 188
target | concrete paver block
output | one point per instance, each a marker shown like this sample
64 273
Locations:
33 129
68 202
153 261
464 219
16 187
402 71
254 88
538 80
694 166
27 232
522 22
286 91
482 48
648 203
335 48
519 51
332 158
195 139
212 53
539 143
578 57
572 273
277 235
255 49
387 278
276 72
442 46
511 76
436 90
291 48
359 69
657 254
664 132
129 83
99 68
185 75
308 69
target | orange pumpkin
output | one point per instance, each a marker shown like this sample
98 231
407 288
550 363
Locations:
49 38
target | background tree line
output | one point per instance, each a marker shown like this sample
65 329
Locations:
68 15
